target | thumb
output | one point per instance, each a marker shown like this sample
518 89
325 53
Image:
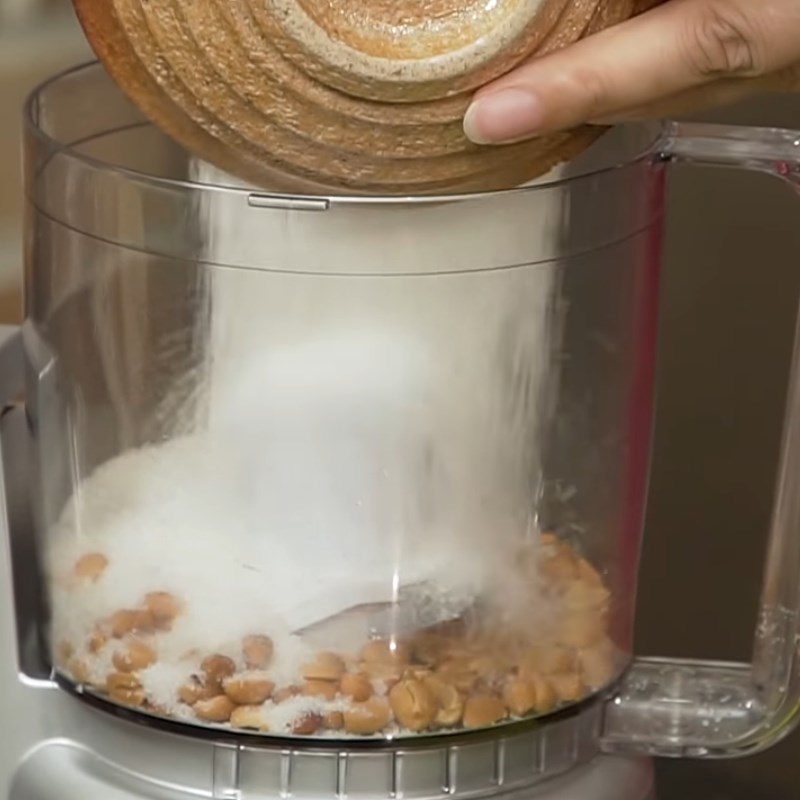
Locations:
677 46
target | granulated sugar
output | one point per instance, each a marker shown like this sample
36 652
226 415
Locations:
351 437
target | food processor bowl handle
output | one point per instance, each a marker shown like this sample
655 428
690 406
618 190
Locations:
706 709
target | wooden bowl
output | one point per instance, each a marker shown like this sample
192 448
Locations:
360 96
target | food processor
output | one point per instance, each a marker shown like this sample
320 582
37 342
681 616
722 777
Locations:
339 496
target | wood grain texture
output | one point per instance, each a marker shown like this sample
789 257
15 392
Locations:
286 94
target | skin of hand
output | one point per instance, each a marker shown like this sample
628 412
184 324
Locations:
677 57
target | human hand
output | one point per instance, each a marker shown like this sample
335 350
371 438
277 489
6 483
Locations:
680 56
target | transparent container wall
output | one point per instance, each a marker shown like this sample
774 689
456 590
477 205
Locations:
332 467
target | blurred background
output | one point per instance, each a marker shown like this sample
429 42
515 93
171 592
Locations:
37 38
731 283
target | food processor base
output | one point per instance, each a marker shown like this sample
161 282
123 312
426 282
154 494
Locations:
65 770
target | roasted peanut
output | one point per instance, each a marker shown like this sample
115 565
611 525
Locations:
248 717
386 651
124 688
79 670
413 704
520 696
597 664
588 574
485 667
428 648
91 566
568 687
366 718
580 595
547 659
334 721
545 694
416 673
562 565
257 651
356 686
549 540
134 656
482 710
248 691
97 640
122 680
449 702
324 667
458 674
388 674
324 689
217 709
164 607
63 652
285 693
582 629
196 689
130 620
308 725
217 667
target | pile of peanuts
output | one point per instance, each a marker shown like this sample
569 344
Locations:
461 674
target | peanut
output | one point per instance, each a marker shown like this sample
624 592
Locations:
580 595
449 702
307 725
135 656
248 717
248 691
334 720
217 667
63 652
197 689
386 651
367 718
325 667
90 566
485 667
520 696
79 670
324 689
413 704
124 688
482 710
568 687
561 566
217 709
428 649
388 674
164 607
597 664
257 651
588 574
582 629
131 620
97 640
357 687
547 660
458 674
285 693
545 694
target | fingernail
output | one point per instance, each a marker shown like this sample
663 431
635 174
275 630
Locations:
505 115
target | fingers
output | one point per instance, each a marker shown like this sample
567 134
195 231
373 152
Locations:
674 48
718 93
